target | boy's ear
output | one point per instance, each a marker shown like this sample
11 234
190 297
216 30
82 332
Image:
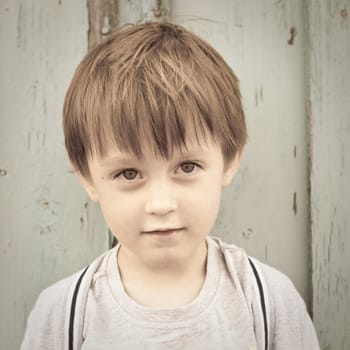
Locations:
88 186
230 170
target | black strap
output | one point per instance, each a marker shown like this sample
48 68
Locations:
72 310
262 300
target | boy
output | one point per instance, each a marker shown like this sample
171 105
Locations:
154 128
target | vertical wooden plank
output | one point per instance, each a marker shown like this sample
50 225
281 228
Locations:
103 18
48 227
266 208
329 109
138 11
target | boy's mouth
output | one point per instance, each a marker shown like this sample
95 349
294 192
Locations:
164 231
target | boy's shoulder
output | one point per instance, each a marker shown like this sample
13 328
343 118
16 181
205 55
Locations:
238 257
58 290
280 288
57 294
285 306
48 319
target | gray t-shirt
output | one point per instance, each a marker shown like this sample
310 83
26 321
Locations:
226 314
218 318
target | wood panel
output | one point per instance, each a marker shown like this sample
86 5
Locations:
48 227
329 109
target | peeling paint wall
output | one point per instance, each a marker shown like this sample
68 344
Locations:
136 11
103 18
48 228
329 111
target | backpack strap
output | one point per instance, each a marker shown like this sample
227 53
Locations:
72 311
264 301
76 304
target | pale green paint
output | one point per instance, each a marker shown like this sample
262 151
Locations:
329 96
47 230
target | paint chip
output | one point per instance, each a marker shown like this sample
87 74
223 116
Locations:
293 34
295 206
343 13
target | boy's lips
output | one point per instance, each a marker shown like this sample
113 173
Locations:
164 231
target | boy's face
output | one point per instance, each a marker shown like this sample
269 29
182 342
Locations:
160 210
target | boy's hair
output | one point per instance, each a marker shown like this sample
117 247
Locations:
153 84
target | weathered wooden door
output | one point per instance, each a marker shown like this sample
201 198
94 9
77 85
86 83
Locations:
291 58
48 227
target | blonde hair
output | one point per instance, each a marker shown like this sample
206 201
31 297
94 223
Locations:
154 84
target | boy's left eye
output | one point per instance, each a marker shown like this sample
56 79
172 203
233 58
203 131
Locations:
188 167
127 174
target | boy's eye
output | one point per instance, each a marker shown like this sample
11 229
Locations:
128 174
188 167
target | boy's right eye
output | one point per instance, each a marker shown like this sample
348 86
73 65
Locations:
127 174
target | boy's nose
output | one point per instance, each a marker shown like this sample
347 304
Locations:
160 200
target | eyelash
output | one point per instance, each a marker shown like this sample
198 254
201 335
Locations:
123 172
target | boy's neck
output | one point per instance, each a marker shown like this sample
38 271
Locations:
165 285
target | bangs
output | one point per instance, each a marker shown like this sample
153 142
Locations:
149 114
